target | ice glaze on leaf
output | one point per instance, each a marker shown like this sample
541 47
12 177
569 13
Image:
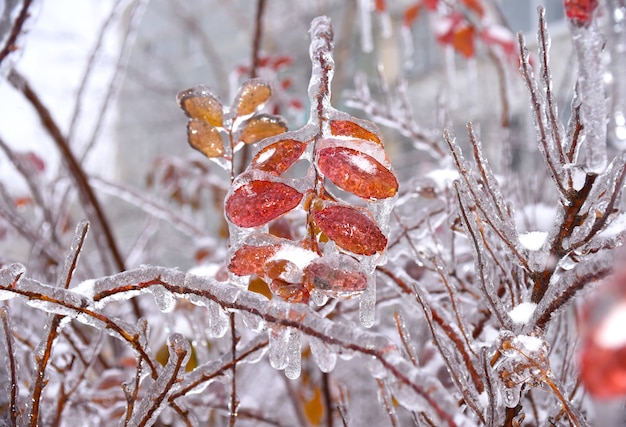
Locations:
350 229
258 202
351 129
199 102
261 127
205 138
250 259
334 282
357 173
276 158
252 95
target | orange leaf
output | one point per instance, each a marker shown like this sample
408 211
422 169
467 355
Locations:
276 158
348 128
463 41
200 103
357 173
258 202
205 138
261 127
350 229
314 408
411 14
252 95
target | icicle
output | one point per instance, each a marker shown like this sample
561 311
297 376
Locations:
218 320
292 371
588 45
367 303
323 354
365 10
279 338
164 300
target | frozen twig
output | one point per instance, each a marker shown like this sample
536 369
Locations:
10 364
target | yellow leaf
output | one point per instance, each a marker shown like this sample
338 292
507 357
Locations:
262 127
314 408
252 95
205 138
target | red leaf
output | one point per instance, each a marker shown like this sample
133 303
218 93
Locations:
32 160
380 6
291 292
580 12
276 158
258 202
431 4
250 259
334 282
463 40
350 229
357 173
351 129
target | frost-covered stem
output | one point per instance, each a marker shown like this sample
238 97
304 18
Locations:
472 187
87 196
588 45
404 337
538 110
385 396
307 322
321 51
132 395
123 57
571 219
151 405
220 370
546 77
91 62
328 400
432 317
54 324
14 410
477 247
234 402
32 186
15 32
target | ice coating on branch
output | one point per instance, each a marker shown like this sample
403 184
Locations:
588 44
320 52
155 399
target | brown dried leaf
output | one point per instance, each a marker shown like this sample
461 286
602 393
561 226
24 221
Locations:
252 95
261 127
357 173
258 202
351 229
199 102
276 158
205 138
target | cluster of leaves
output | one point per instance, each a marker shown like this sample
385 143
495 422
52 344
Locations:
342 242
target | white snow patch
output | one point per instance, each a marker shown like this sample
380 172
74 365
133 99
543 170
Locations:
85 288
299 256
612 331
207 270
530 343
363 163
444 177
266 155
533 240
521 313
